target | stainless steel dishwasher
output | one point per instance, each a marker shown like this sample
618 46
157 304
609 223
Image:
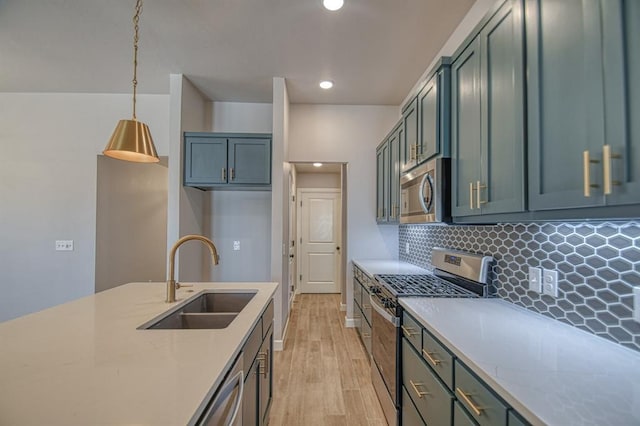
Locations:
224 408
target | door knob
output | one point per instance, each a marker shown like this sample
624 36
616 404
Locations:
291 256
338 248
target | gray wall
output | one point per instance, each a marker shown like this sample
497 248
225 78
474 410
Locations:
319 180
131 222
597 266
48 171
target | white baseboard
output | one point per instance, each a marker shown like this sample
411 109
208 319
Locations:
278 345
343 307
349 322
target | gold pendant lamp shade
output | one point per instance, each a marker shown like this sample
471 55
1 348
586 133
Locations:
131 140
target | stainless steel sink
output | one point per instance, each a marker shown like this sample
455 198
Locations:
213 309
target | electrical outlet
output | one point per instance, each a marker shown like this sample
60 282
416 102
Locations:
64 245
535 279
636 304
236 245
406 248
550 282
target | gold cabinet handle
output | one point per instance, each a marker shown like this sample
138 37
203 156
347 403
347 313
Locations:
479 187
606 166
586 173
263 357
224 174
366 335
428 355
418 391
471 189
417 151
467 399
409 331
232 173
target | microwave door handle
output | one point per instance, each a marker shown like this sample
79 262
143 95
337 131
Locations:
423 182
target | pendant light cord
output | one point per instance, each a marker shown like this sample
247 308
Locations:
136 20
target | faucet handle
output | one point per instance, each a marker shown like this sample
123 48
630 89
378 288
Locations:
178 285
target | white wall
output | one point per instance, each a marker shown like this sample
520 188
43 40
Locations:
318 180
464 28
349 134
186 206
131 200
48 166
242 117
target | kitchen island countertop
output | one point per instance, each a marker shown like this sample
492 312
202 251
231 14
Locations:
85 362
550 372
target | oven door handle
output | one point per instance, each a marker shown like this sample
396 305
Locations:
383 312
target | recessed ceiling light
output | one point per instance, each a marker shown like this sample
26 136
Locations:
327 84
317 164
332 4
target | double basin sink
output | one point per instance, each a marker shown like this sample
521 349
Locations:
211 309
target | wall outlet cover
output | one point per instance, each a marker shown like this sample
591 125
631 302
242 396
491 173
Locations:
64 245
236 245
550 283
406 248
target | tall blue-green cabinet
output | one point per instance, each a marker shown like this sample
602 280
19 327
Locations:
487 119
583 103
388 166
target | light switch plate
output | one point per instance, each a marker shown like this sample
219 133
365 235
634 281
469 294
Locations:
636 304
550 282
535 279
236 245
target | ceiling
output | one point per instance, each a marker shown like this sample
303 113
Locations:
374 50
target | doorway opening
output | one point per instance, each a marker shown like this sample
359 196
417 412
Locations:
317 221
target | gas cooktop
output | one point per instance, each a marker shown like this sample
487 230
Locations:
422 285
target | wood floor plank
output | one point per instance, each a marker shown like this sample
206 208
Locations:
323 376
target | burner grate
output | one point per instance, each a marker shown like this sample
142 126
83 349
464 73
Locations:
422 285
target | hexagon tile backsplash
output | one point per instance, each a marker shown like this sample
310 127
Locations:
598 265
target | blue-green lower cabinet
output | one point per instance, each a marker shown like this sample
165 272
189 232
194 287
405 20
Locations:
488 163
438 389
227 160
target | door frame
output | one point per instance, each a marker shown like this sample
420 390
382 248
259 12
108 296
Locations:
299 192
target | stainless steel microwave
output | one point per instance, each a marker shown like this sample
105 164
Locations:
425 194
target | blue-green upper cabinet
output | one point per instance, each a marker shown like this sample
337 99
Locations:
410 142
205 160
566 129
434 112
249 161
487 130
466 129
227 160
394 174
621 56
382 182
502 187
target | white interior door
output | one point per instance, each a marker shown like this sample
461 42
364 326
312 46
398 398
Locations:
292 240
319 237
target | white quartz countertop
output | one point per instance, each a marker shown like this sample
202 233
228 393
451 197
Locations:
85 362
374 266
550 372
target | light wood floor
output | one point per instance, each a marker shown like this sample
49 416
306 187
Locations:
323 376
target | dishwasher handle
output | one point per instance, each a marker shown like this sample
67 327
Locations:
238 402
380 310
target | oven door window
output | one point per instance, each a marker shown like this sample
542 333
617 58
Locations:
384 341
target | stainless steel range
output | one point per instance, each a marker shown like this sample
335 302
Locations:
456 274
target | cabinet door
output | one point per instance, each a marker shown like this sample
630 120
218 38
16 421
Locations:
429 129
250 397
205 160
249 161
266 379
621 32
394 176
502 186
382 182
465 130
565 102
410 124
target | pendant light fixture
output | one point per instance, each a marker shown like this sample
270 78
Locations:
131 140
